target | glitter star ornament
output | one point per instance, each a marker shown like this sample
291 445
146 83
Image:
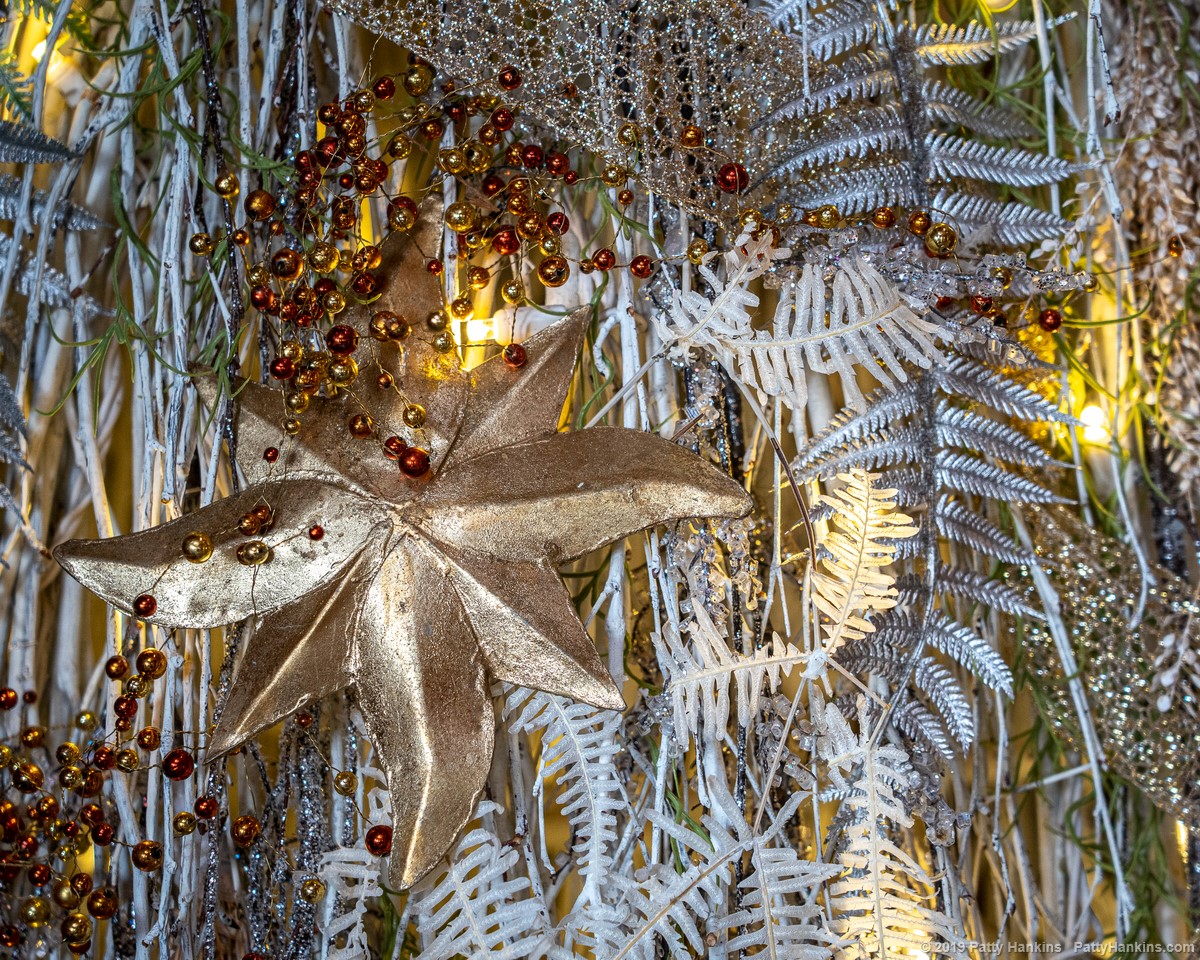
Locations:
411 592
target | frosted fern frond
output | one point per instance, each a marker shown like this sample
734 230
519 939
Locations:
15 87
851 583
471 909
904 630
968 585
1010 224
952 156
949 105
865 75
51 286
22 144
946 44
968 474
914 720
869 130
967 377
958 427
884 407
881 904
667 902
956 522
579 743
701 673
779 914
66 214
353 875
829 32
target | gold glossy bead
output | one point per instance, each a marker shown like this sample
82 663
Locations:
296 401
478 157
399 147
184 823
343 371
253 553
322 257
201 244
70 777
478 277
334 301
613 176
1004 275
137 686
628 135
86 720
452 160
291 350
474 239
312 890
436 320
291 426
784 213
828 217
259 205
691 137
553 271
34 911
63 894
461 308
883 218
418 80
127 761
67 752
550 244
461 216
258 275
513 291
76 927
147 855
940 239
443 342
1092 284
227 185
697 249
345 783
414 416
197 547
28 777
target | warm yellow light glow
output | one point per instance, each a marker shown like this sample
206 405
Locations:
39 51
1095 424
479 331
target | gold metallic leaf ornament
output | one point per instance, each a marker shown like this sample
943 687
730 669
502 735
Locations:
415 591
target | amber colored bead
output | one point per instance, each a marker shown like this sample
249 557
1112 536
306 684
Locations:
345 783
245 830
316 532
287 264
148 738
1050 320
39 874
604 259
152 663
81 883
514 355
116 667
553 271
65 895
360 426
342 340
691 137
919 222
249 525
206 807
10 936
8 698
944 303
625 198
259 205
102 904
641 266
379 840
1175 246
414 462
33 736
102 834
104 757
147 855
981 304
144 605
502 119
505 242
394 447
201 244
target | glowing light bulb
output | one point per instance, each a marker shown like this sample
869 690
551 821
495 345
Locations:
1095 428
479 331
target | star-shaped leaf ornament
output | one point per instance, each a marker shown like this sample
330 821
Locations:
412 592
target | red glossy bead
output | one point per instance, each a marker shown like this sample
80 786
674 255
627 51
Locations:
641 266
532 157
144 605
10 936
29 696
125 706
92 814
570 178
981 304
944 303
557 164
316 532
492 184
206 807
558 223
502 118
342 340
434 266
515 356
414 462
81 883
283 368
604 259
102 834
324 286
1050 320
509 78
505 242
265 299
8 698
326 151
406 203
733 178
104 757
39 874
379 840
394 447
178 765
304 720
116 667
364 285
271 454
384 88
